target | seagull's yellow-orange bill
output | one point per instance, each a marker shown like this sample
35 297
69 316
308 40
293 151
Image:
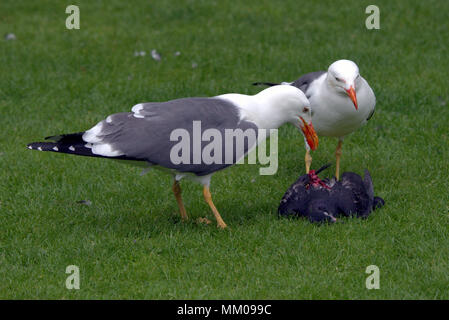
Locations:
310 134
353 97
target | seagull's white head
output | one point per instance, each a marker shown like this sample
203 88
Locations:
343 76
290 104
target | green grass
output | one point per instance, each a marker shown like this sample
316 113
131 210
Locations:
130 243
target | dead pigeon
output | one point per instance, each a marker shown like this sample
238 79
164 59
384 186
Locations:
326 200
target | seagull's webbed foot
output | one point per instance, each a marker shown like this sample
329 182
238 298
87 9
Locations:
177 192
207 196
204 220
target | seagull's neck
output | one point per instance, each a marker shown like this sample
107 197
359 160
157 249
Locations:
326 87
261 109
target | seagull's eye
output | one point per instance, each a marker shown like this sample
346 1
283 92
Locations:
305 110
339 80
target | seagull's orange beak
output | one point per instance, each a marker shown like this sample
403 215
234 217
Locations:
352 96
310 134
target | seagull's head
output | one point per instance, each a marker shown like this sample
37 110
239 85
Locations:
304 122
343 76
287 103
301 117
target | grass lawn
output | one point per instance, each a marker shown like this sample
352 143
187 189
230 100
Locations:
130 243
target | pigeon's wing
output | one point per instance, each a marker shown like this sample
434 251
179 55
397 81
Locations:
368 183
354 196
369 188
376 202
343 198
295 198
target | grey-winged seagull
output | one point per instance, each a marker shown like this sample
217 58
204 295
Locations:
341 101
149 134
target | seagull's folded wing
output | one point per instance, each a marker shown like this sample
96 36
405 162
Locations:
151 131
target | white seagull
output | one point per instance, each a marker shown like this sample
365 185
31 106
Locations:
149 135
341 102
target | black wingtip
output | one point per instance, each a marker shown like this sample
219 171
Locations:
68 137
270 84
42 146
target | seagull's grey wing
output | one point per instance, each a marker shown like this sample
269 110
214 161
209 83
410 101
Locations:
372 95
306 80
153 130
371 114
303 83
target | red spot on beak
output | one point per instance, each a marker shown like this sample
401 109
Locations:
310 134
352 96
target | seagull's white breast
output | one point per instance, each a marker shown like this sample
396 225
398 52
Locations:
334 114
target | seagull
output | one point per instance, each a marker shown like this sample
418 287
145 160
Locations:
342 101
165 136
